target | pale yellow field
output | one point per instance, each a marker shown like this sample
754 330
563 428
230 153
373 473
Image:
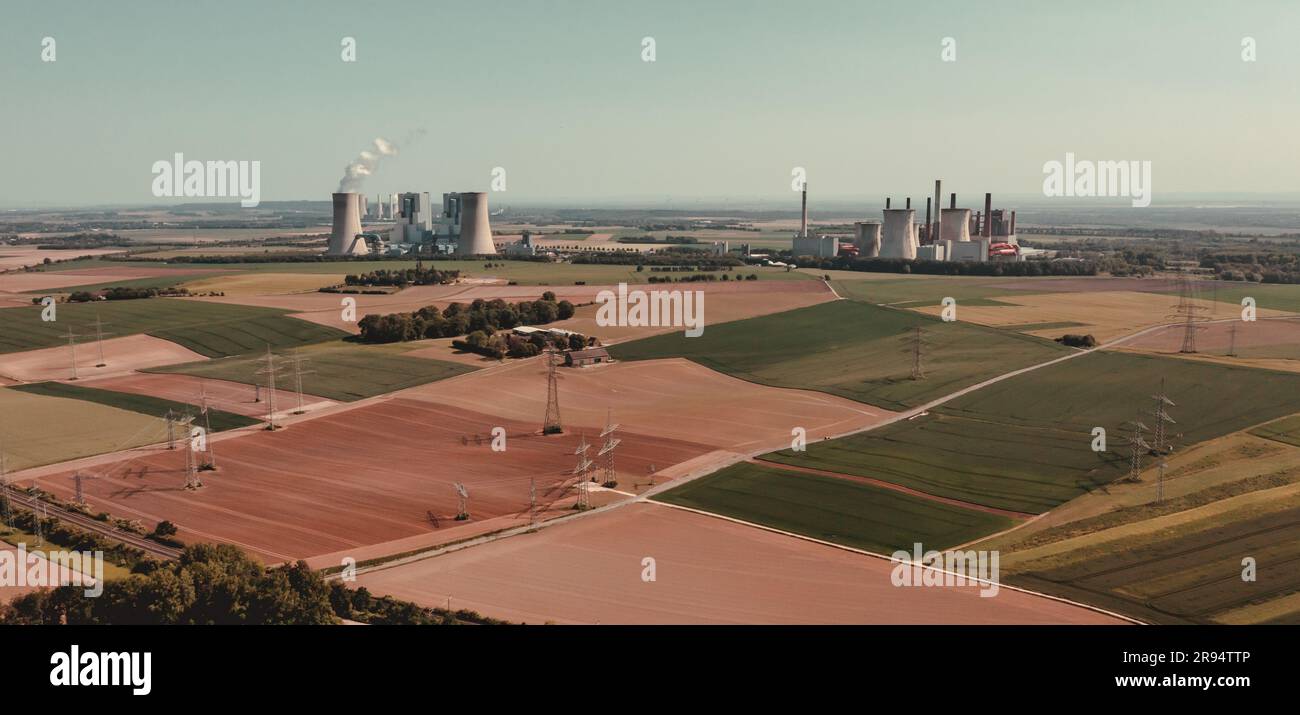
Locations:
253 283
37 430
1105 315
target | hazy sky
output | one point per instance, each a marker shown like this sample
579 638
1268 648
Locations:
558 95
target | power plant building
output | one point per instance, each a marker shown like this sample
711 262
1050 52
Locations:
345 238
461 228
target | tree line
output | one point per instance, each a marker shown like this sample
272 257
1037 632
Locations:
460 319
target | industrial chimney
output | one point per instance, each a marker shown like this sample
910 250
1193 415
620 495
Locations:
898 239
866 236
475 229
347 225
803 220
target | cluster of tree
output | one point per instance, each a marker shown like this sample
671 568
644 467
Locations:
73 539
501 344
402 277
680 240
672 257
700 277
124 293
273 258
1078 341
952 268
359 605
73 241
460 319
1267 267
220 585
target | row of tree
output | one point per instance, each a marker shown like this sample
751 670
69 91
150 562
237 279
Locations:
218 584
460 319
402 277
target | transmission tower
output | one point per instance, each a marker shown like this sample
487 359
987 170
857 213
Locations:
297 361
99 339
1161 415
584 464
1137 445
78 495
1232 339
915 343
72 345
610 478
171 430
211 462
1160 483
551 423
532 501
4 490
1188 312
462 509
40 525
270 372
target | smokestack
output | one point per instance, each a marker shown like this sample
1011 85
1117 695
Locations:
886 203
988 214
347 224
909 203
929 237
1013 223
952 201
936 229
475 228
803 220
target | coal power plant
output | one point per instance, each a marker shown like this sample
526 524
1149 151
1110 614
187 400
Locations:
462 228
947 234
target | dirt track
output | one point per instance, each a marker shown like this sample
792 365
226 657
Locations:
708 570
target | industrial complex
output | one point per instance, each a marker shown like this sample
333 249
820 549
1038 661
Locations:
951 234
462 227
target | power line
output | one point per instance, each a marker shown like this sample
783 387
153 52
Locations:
551 422
270 372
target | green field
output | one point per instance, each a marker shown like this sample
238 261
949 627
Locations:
922 290
851 349
143 404
37 430
211 329
337 371
1188 574
1286 431
835 510
1024 444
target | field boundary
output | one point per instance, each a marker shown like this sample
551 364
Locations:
864 552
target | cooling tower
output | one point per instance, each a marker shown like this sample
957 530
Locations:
955 225
898 239
866 236
475 230
347 224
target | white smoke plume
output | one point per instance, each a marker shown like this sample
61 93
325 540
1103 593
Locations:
365 164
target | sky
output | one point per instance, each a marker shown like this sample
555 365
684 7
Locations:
557 93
